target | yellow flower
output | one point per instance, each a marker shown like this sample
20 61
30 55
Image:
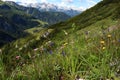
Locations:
102 42
103 48
65 44
109 36
65 32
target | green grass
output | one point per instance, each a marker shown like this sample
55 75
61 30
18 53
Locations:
81 46
81 56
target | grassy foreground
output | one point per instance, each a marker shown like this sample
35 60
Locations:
84 47
85 54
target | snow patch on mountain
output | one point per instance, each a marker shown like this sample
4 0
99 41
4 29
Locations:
53 8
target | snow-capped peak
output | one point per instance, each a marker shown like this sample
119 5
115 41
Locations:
52 8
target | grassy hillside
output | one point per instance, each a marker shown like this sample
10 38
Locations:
14 19
14 22
84 47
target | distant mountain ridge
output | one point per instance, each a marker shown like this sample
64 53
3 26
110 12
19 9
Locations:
14 19
46 16
52 8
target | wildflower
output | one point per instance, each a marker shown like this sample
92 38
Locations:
25 46
65 32
65 44
23 64
50 51
117 73
47 33
20 49
51 43
17 57
103 48
44 36
62 47
61 77
63 53
78 78
0 50
16 46
102 42
87 32
109 36
35 49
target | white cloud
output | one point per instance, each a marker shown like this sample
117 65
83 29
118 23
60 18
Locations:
45 1
9 0
24 1
29 1
91 1
84 4
67 1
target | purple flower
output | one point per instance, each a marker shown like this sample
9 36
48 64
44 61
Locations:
50 51
87 32
119 40
51 44
63 53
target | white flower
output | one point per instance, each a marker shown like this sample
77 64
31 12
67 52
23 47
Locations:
16 46
35 49
0 50
20 49
80 79
65 32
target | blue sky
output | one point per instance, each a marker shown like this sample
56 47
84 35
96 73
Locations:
76 4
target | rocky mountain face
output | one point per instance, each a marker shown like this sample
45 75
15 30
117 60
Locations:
52 8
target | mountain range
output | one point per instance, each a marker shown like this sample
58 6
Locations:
52 8
46 16
15 18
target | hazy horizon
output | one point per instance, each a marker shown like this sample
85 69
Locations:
74 4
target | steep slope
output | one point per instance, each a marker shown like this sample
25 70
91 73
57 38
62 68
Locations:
14 22
86 46
5 38
46 16
103 10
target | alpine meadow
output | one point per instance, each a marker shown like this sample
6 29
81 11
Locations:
51 45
